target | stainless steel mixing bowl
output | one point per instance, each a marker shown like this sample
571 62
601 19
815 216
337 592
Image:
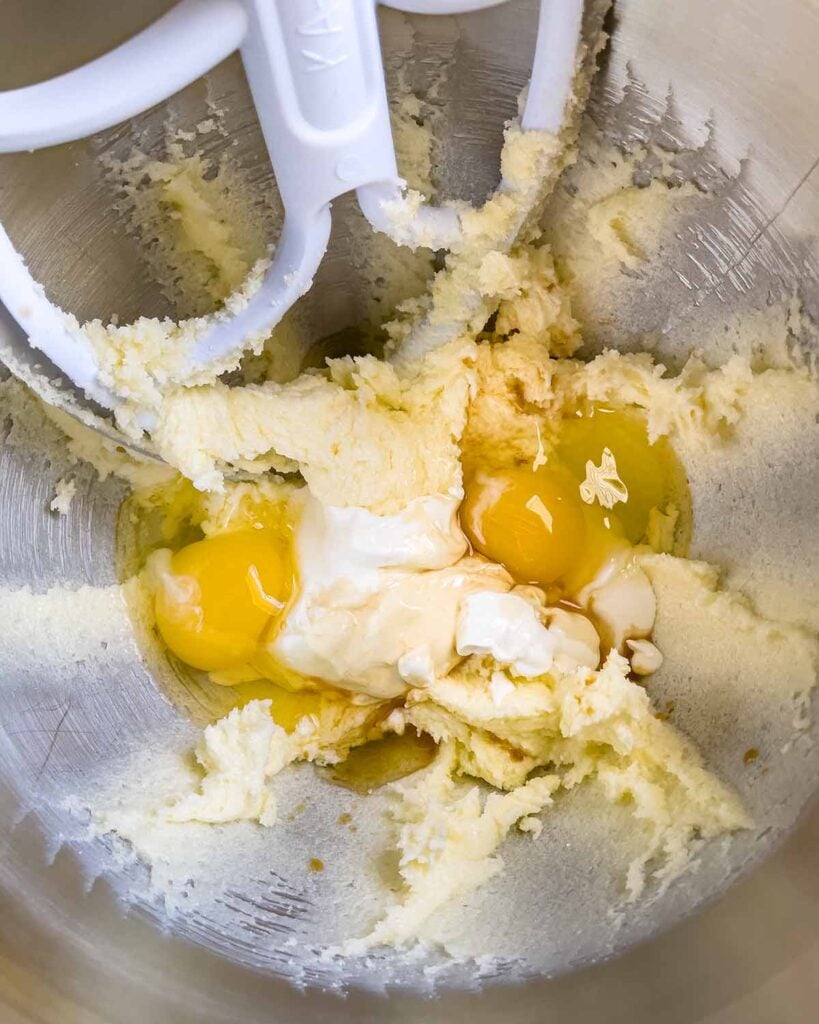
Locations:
738 81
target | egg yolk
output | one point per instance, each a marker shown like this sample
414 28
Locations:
652 473
531 521
221 595
287 707
537 522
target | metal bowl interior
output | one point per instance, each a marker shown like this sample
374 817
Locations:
736 88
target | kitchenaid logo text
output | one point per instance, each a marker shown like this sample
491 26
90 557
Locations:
323 22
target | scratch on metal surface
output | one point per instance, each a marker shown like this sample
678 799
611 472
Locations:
54 738
763 229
